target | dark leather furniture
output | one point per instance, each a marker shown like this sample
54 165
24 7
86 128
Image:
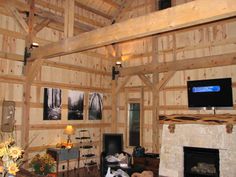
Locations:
112 144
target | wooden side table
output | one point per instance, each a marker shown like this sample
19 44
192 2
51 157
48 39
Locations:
61 155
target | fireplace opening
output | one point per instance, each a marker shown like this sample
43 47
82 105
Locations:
201 162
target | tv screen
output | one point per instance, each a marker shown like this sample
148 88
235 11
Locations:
112 143
210 93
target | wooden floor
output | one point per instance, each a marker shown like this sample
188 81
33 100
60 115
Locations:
73 173
83 172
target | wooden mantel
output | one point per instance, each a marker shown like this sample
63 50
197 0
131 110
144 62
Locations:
208 119
178 17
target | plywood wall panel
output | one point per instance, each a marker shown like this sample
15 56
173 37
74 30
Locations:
42 138
9 23
50 34
147 98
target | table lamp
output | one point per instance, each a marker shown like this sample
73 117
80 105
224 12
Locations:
69 130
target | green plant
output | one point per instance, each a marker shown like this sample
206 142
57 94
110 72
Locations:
43 164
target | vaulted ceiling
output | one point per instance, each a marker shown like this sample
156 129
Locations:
51 13
75 17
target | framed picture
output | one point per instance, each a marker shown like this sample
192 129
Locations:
95 106
75 105
52 104
8 116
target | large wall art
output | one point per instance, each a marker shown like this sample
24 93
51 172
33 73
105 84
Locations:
95 106
52 104
75 105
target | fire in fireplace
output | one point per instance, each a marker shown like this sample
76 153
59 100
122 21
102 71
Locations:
201 162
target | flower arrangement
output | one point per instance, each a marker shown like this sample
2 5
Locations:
43 164
11 157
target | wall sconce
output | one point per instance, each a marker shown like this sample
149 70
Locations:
27 53
115 69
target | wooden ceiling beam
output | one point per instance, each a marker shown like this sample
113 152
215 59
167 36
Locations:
34 69
77 16
112 3
154 23
18 4
126 4
60 27
53 25
22 7
60 19
122 84
41 25
69 16
74 67
12 79
92 10
44 42
178 65
146 80
18 35
18 18
31 22
161 85
11 56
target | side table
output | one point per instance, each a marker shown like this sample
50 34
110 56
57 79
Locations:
61 155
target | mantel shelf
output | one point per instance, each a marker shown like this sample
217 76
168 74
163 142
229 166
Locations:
209 119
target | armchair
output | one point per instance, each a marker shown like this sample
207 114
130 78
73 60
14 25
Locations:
112 144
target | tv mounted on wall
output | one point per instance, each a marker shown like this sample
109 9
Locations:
210 94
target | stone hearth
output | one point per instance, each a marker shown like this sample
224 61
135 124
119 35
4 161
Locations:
197 135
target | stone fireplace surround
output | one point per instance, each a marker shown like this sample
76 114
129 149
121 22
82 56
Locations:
197 135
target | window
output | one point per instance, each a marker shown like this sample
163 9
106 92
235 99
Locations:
134 124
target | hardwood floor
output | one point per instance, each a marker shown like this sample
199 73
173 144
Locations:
83 172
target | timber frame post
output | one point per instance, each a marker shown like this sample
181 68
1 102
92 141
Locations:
155 92
155 99
112 51
30 71
114 106
27 87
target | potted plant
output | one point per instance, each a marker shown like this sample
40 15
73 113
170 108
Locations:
43 164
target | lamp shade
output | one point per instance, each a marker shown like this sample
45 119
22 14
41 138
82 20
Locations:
69 130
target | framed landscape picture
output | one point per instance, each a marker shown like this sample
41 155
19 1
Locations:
52 104
75 105
95 106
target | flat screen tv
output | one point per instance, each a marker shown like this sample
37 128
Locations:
213 93
112 143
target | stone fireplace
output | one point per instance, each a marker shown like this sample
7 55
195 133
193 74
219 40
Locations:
209 138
